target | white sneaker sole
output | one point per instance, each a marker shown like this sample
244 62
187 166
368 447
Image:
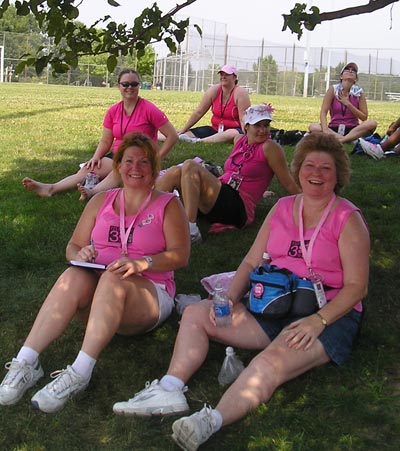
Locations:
184 436
152 411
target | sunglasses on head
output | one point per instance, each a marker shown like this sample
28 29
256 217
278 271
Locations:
132 84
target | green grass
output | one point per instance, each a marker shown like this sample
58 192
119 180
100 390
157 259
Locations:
45 132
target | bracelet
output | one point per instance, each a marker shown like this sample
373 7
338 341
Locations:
149 261
323 320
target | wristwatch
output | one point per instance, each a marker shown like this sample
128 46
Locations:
149 261
323 320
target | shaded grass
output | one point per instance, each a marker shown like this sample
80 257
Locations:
46 132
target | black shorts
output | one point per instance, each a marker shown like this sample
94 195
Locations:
346 130
206 130
228 209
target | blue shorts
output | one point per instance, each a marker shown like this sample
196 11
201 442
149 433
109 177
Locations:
206 130
337 338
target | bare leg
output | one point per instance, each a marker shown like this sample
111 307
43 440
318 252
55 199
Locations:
110 181
392 141
266 372
225 136
126 306
170 180
364 129
195 331
67 183
72 292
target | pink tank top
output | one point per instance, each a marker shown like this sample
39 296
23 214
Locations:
284 244
146 237
342 115
256 173
228 113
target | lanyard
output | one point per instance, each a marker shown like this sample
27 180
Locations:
124 233
307 253
247 152
226 104
129 117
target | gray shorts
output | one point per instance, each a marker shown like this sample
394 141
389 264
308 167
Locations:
337 338
165 303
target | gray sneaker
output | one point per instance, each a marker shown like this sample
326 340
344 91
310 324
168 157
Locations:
54 395
153 400
188 139
20 377
190 432
196 238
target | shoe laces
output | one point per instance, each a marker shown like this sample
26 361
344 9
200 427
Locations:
15 368
63 379
207 420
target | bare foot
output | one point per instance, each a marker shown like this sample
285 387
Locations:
86 193
41 189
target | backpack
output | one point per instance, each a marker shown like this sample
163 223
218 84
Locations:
358 150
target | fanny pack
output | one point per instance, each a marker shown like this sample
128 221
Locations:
279 293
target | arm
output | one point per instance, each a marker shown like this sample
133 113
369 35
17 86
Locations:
361 112
275 156
326 104
242 103
103 147
393 127
78 247
171 138
201 110
241 282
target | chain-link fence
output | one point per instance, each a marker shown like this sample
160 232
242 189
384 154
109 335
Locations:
264 67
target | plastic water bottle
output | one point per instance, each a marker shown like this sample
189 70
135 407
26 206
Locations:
222 309
266 259
232 366
91 180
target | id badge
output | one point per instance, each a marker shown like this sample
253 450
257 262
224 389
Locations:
220 127
341 129
319 292
235 181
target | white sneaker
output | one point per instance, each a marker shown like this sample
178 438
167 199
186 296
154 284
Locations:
190 432
53 396
373 150
20 377
188 139
153 400
196 238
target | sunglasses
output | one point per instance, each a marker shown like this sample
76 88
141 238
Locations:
352 71
126 84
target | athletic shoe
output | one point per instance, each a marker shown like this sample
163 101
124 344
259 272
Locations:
188 139
153 400
20 377
196 238
190 432
53 396
373 150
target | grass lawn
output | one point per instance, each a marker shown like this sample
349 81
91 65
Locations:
46 131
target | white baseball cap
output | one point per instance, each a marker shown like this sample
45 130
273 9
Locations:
257 113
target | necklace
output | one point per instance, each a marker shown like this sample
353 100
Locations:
129 117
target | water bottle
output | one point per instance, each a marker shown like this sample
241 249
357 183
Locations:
232 366
266 259
91 180
222 309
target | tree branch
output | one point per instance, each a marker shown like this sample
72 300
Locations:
373 5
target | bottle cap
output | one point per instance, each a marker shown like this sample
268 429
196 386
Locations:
230 350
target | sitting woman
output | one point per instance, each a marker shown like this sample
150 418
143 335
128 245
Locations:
142 235
228 102
389 145
347 106
231 199
131 114
316 234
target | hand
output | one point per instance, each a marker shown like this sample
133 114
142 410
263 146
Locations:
391 129
301 334
125 267
344 98
181 131
93 162
212 312
86 254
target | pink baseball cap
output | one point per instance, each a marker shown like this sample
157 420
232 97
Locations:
228 69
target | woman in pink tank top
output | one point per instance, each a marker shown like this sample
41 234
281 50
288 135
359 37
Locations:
138 236
289 346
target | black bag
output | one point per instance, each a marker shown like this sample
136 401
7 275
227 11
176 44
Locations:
278 293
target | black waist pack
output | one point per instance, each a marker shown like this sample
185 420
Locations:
279 293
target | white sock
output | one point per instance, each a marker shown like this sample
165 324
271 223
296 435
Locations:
84 365
171 383
29 355
218 420
193 228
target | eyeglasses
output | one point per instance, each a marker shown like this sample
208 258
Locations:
352 71
126 84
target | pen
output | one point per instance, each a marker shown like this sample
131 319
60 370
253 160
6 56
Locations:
92 244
